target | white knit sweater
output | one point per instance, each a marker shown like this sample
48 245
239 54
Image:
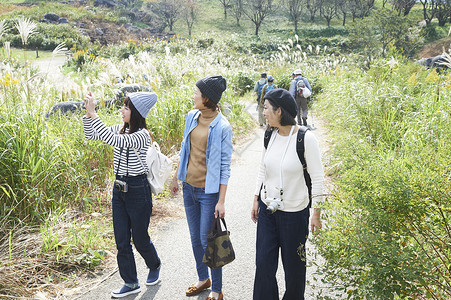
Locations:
295 195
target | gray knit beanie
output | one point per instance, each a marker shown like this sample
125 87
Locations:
212 87
143 101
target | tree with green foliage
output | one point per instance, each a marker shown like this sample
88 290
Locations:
391 29
313 6
237 10
429 10
295 8
225 5
190 12
443 12
169 11
343 7
362 38
328 10
403 7
256 11
361 8
383 28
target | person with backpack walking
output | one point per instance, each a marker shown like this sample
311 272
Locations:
301 90
289 182
258 87
267 87
204 169
132 198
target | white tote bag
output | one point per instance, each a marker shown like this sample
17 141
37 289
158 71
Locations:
160 167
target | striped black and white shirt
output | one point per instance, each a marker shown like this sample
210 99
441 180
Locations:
139 140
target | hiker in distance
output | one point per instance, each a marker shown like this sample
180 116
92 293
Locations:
281 205
301 90
204 169
266 88
258 87
132 198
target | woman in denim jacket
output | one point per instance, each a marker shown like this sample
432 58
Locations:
204 170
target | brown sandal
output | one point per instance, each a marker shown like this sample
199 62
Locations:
193 290
220 297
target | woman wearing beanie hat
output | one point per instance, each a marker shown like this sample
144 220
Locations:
132 198
204 170
281 206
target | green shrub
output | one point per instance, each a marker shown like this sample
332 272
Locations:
433 32
241 82
387 217
48 36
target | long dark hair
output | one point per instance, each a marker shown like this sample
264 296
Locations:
136 120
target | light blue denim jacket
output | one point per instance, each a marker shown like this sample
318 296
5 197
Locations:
219 151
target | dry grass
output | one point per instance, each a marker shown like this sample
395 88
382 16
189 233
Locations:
6 8
435 48
27 273
23 269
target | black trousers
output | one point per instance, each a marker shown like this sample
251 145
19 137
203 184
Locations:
287 231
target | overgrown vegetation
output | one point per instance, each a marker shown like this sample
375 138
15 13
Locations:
388 232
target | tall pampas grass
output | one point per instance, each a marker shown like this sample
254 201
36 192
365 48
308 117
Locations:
3 27
26 28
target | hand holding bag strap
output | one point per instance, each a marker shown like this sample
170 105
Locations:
225 226
216 229
219 251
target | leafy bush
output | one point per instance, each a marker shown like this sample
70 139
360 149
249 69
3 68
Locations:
433 32
323 31
241 82
387 219
48 36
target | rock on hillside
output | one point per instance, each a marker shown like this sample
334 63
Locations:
105 32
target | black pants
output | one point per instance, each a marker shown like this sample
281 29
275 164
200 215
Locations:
287 231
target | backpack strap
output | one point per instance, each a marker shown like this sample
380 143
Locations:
268 133
300 149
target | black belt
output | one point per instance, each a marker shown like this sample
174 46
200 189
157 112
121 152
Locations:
121 177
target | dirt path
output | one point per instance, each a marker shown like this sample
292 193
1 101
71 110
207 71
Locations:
51 67
173 243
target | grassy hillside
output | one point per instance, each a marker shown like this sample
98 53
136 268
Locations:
55 186
210 22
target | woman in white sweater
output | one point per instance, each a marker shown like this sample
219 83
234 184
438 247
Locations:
281 206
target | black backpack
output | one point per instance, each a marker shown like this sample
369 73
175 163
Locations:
300 149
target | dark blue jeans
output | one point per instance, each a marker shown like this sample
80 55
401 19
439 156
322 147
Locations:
200 209
131 217
287 231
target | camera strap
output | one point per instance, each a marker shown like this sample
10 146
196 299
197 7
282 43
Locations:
283 157
119 163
